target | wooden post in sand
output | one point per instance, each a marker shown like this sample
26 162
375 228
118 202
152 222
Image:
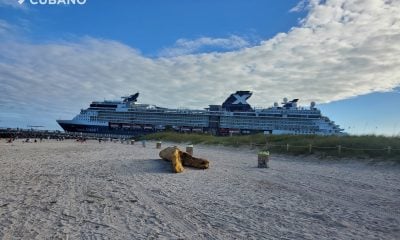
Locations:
263 159
158 145
310 148
189 149
132 142
287 147
339 149
389 150
144 143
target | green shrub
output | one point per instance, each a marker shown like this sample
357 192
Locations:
368 146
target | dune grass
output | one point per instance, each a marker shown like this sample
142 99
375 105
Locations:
365 146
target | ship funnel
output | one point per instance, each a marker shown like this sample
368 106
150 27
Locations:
131 98
276 104
238 101
284 100
312 104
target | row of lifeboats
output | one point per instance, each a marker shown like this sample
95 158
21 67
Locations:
151 127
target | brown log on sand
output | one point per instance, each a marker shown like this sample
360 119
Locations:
179 159
172 154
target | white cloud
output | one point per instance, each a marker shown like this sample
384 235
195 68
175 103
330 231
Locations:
342 49
186 46
10 31
5 27
301 6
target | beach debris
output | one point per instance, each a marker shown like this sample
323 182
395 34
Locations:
263 159
4 204
93 195
172 154
143 143
179 159
158 145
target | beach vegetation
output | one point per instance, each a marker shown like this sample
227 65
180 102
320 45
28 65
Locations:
361 146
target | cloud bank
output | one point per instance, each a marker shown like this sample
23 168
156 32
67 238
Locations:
340 50
186 46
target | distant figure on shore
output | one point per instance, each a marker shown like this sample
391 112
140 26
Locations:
27 140
10 140
81 140
99 140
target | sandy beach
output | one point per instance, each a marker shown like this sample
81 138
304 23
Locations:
70 190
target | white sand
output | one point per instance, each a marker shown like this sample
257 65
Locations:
68 190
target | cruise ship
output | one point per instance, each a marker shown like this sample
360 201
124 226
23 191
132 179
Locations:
234 116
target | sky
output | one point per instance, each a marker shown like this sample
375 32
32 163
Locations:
342 54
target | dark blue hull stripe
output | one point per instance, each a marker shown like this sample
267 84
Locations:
102 129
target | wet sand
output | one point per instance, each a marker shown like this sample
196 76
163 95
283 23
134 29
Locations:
70 190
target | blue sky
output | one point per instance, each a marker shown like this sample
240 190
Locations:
150 26
55 59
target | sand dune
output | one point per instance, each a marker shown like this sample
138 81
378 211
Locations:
69 190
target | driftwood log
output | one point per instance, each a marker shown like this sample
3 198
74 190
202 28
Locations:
179 159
